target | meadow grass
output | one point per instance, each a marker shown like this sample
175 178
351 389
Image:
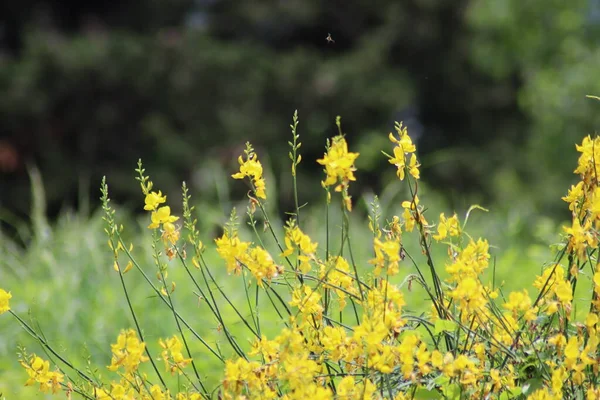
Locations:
67 283
367 299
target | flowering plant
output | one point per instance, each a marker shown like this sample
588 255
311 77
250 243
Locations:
347 334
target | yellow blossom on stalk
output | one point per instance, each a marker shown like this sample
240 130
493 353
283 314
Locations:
338 276
299 370
470 295
383 359
241 373
170 233
348 389
38 370
172 356
252 168
410 212
589 160
334 342
233 251
339 164
564 292
4 301
161 216
581 237
404 146
447 227
371 331
550 276
574 195
386 252
128 352
470 262
269 349
262 266
406 350
296 239
521 302
307 301
153 200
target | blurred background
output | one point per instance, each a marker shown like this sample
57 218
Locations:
493 93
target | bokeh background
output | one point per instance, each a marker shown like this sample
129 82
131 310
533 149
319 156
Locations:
493 94
492 91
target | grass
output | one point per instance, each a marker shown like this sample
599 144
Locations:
64 281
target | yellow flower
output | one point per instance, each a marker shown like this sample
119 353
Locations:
447 227
4 298
39 371
128 352
252 168
161 216
262 266
233 251
172 356
153 200
339 165
404 146
388 250
307 301
170 233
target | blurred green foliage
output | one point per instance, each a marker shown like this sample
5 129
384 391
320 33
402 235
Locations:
492 92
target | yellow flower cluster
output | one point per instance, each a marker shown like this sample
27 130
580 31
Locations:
238 254
404 148
160 215
339 167
172 355
39 372
127 353
473 345
252 168
296 239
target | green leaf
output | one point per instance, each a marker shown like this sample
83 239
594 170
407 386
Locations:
532 385
444 325
424 394
452 392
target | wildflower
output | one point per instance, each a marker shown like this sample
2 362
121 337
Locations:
388 250
564 292
170 233
153 200
262 266
447 227
295 238
404 146
581 237
239 373
269 349
4 298
574 195
172 356
348 389
333 341
252 168
307 301
520 301
127 352
39 371
338 277
233 251
161 216
339 164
